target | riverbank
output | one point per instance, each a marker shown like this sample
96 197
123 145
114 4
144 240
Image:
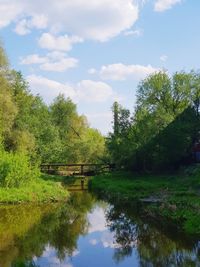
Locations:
174 199
43 189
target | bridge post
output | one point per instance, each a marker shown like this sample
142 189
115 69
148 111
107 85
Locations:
82 169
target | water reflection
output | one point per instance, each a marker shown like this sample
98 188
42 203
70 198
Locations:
86 232
27 232
155 246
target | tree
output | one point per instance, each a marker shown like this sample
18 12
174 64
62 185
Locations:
161 99
8 109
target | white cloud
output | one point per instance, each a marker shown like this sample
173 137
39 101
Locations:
163 58
63 42
96 20
49 89
56 55
120 72
24 26
61 65
55 61
86 90
33 59
94 91
162 5
9 11
39 21
136 33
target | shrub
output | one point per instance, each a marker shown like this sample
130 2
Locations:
16 170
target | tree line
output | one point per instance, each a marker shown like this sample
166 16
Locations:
161 132
32 132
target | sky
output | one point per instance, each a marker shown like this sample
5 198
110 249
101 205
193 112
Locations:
96 52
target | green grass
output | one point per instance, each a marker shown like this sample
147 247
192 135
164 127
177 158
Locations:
179 196
37 191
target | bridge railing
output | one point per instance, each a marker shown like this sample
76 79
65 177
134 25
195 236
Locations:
76 169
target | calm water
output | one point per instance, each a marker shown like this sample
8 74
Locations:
86 232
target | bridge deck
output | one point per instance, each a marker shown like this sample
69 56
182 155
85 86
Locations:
76 168
74 164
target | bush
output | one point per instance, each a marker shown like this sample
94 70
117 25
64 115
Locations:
16 170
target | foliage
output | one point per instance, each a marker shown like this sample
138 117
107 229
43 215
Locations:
170 198
32 132
164 126
37 191
15 170
172 146
78 142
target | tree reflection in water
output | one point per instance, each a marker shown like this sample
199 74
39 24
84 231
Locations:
28 232
155 247
30 229
125 233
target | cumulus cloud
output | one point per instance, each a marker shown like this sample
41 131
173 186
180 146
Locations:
63 42
96 20
22 27
86 90
25 26
61 65
48 88
9 11
120 72
55 61
33 59
162 5
39 21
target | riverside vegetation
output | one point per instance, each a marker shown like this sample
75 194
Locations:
150 146
154 144
164 199
32 132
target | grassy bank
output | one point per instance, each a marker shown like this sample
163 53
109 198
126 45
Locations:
43 189
165 198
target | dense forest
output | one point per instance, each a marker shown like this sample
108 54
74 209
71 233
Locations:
32 132
164 127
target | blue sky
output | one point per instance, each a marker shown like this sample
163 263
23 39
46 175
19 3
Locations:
97 51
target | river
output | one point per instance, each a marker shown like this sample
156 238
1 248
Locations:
87 232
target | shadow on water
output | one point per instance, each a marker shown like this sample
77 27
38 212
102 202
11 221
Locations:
81 230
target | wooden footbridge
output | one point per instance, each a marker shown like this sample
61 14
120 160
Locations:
86 169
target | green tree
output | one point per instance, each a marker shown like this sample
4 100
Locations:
160 100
